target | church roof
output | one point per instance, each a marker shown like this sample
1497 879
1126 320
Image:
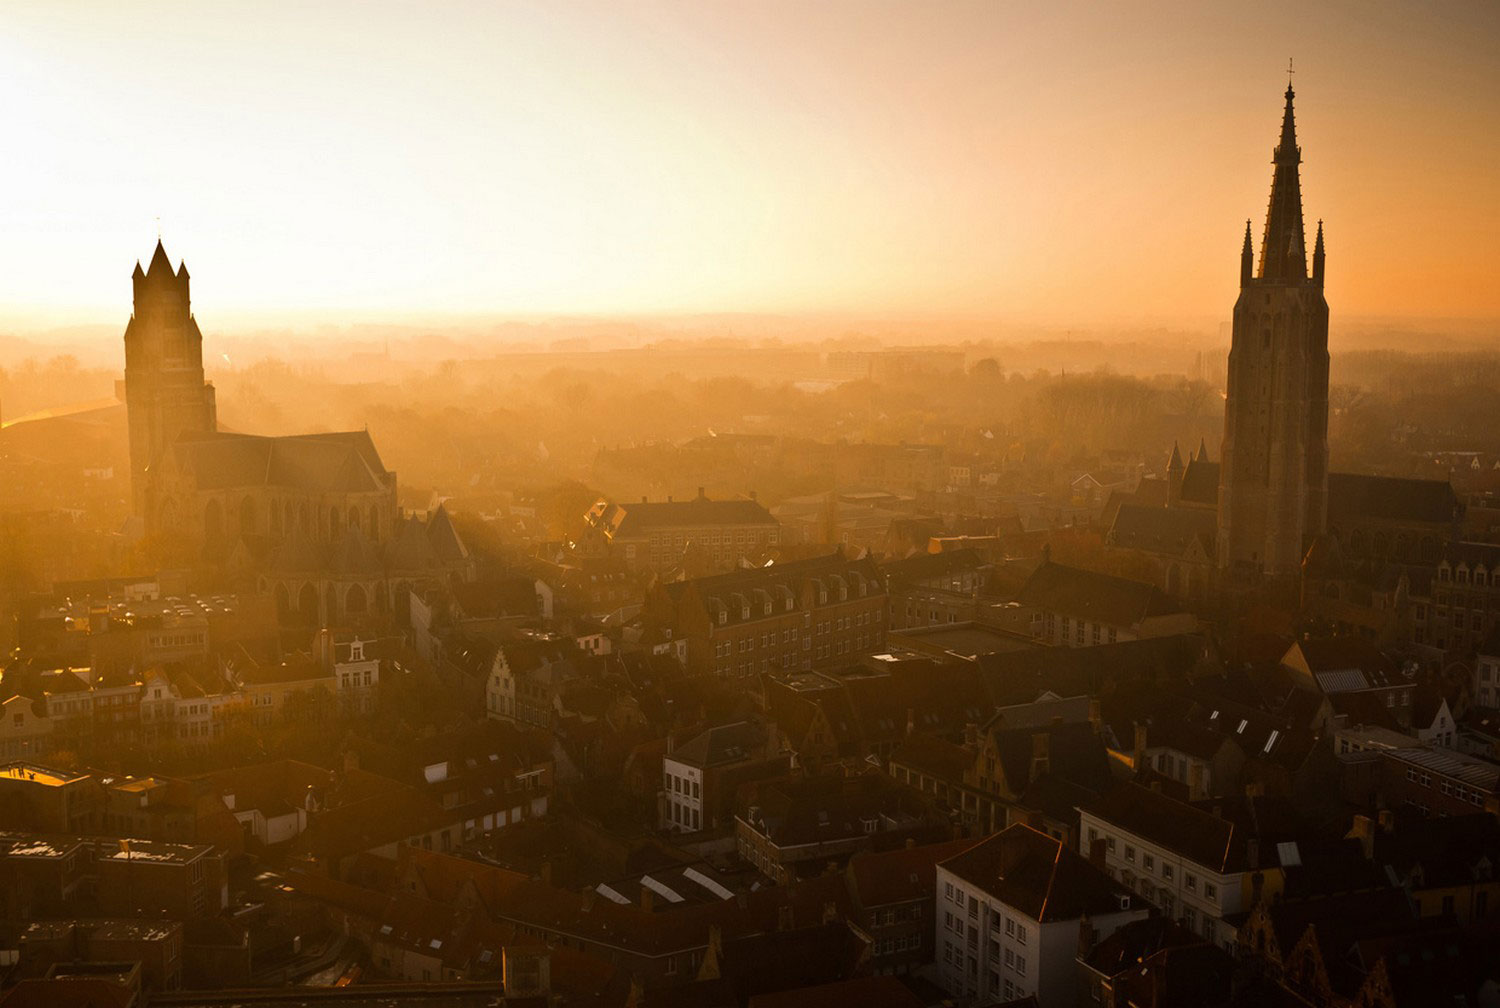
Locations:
1394 498
1163 530
342 462
1200 483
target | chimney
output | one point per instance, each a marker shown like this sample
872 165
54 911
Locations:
911 843
1196 789
351 760
911 720
648 899
754 496
701 494
1364 831
1096 715
1140 746
1086 936
830 912
1387 821
1041 754
784 917
546 873
669 498
671 743
971 737
643 498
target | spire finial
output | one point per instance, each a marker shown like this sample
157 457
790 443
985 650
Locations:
1289 72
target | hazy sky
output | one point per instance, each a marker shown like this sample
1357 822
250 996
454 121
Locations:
1057 162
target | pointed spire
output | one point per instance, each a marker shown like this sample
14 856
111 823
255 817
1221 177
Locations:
1202 455
1283 249
182 273
1175 462
138 273
1247 258
159 261
1318 256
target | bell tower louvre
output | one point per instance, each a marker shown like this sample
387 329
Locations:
1273 488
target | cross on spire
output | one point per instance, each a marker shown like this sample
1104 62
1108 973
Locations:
1289 71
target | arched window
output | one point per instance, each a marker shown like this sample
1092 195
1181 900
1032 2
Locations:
247 516
333 523
307 604
354 518
355 603
275 519
213 522
283 602
331 616
303 521
375 522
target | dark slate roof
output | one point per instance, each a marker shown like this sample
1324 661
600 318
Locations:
1090 595
644 518
933 756
1218 842
1163 530
1075 753
721 744
925 566
1013 677
340 462
778 585
1135 941
1039 876
1352 496
1200 484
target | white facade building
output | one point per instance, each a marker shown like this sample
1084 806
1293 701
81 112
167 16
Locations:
1008 917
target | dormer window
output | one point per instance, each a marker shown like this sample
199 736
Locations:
357 651
723 616
744 612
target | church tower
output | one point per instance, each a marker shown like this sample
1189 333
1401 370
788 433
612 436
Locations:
165 394
1273 485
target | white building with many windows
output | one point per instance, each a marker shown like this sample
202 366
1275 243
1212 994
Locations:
1194 861
1009 914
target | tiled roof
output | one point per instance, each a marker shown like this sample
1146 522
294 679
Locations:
1090 595
721 744
1039 876
1220 843
1167 531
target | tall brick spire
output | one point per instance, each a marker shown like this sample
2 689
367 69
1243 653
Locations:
1283 249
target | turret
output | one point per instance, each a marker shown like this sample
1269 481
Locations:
1247 259
1318 257
1175 472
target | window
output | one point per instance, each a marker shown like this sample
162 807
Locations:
1166 872
1191 881
1020 934
1130 854
1148 862
1020 965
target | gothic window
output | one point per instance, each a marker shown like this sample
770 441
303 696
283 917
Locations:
374 523
213 522
355 602
247 516
333 523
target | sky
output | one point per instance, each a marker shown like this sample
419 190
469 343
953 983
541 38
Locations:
1056 162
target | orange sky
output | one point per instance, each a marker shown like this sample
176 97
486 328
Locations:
1051 162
